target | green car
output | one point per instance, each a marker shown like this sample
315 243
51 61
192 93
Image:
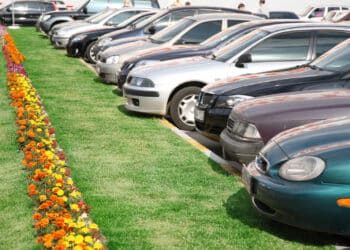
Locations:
302 177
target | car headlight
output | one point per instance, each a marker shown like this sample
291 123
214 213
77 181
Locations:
141 82
245 130
45 17
112 60
146 62
302 168
230 101
78 38
104 41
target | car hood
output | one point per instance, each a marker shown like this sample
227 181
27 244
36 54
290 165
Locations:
228 87
128 48
69 24
184 69
63 13
68 31
276 113
313 138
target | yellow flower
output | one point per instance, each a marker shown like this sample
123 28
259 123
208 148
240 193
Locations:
88 239
64 198
93 226
42 197
85 230
77 248
98 245
60 192
39 130
74 207
79 239
62 170
70 181
71 238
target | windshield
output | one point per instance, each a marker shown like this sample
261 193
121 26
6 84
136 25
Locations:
227 52
306 11
336 59
151 19
90 18
134 19
170 32
106 13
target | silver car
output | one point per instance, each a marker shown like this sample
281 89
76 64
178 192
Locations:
188 31
172 87
60 36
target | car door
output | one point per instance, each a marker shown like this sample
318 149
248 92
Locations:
200 32
279 51
34 11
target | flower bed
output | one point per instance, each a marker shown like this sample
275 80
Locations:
61 217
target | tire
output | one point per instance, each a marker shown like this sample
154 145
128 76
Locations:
182 106
89 56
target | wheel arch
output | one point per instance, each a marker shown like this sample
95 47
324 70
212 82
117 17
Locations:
184 85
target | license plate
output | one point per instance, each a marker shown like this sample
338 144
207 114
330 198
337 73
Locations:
247 174
199 114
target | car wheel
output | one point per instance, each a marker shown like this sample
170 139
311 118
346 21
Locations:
90 55
182 107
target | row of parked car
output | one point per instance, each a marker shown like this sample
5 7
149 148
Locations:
275 93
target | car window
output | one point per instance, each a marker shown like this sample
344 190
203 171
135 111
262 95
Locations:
177 15
333 8
318 12
231 23
161 23
328 39
19 6
120 17
171 31
292 46
47 7
201 32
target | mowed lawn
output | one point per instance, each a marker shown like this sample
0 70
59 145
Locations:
148 188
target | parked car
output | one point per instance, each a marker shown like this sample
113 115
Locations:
317 13
60 37
206 48
301 177
59 5
156 23
172 87
50 19
254 122
25 12
283 15
188 31
328 71
342 17
80 43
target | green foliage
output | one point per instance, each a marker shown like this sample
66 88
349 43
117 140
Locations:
148 188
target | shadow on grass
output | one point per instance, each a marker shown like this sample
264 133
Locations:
123 110
217 168
239 206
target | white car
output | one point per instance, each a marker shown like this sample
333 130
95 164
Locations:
172 87
189 31
60 36
319 13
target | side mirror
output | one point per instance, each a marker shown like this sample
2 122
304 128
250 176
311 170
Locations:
245 58
8 9
85 10
151 30
110 23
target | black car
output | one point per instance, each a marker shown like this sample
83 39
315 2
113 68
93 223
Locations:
50 19
215 102
80 43
206 48
25 12
156 23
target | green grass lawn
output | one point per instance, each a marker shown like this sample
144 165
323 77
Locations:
147 187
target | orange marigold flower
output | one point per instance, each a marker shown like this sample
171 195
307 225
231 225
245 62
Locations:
21 139
36 216
31 133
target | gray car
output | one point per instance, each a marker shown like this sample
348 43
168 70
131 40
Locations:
60 36
172 87
187 32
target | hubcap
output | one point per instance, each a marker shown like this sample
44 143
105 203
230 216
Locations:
92 53
186 109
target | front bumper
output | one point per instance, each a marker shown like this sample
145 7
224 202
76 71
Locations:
239 149
108 72
60 42
306 205
74 49
212 122
144 100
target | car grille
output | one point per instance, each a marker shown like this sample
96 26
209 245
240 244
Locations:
205 99
261 163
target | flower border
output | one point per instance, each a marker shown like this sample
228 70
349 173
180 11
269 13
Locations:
61 217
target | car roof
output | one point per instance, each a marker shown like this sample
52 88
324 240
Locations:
301 25
202 17
138 8
322 5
